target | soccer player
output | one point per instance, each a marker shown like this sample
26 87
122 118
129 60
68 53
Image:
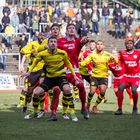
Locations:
100 59
73 45
118 72
55 75
130 59
84 70
55 31
37 74
24 89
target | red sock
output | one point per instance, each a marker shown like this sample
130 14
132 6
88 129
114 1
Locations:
129 93
46 102
135 100
82 95
55 99
120 99
98 91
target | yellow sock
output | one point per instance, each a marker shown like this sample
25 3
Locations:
22 97
41 101
99 99
76 92
35 104
64 104
50 92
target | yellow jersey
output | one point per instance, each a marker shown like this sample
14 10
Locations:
100 63
54 63
84 70
34 47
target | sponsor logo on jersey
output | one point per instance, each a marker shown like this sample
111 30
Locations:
135 56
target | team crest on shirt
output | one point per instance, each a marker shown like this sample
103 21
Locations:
92 83
135 56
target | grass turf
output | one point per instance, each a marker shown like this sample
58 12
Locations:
105 126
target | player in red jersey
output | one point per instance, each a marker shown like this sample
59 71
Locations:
130 59
73 45
118 72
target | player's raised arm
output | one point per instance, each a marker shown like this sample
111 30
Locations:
86 61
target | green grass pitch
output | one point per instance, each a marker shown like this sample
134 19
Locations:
105 126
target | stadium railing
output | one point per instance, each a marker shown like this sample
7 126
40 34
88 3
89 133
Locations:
13 64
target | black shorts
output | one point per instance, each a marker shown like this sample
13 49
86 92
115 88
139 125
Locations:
86 77
49 83
98 81
33 79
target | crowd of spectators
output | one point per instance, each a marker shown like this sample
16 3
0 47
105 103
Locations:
87 19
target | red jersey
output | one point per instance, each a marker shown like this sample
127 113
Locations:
72 47
131 62
116 69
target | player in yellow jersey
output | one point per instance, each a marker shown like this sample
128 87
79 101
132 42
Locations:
32 80
24 89
99 77
55 31
54 60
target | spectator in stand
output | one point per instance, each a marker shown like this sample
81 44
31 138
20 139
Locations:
0 28
20 16
50 9
79 15
35 36
95 19
5 21
34 11
30 11
35 24
27 13
137 36
55 18
63 27
6 9
84 28
21 28
42 19
127 23
58 10
117 13
130 11
22 42
85 13
15 22
48 17
70 11
78 4
28 24
105 16
9 31
3 50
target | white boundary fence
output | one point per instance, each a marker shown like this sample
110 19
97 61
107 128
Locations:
42 24
15 34
13 54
